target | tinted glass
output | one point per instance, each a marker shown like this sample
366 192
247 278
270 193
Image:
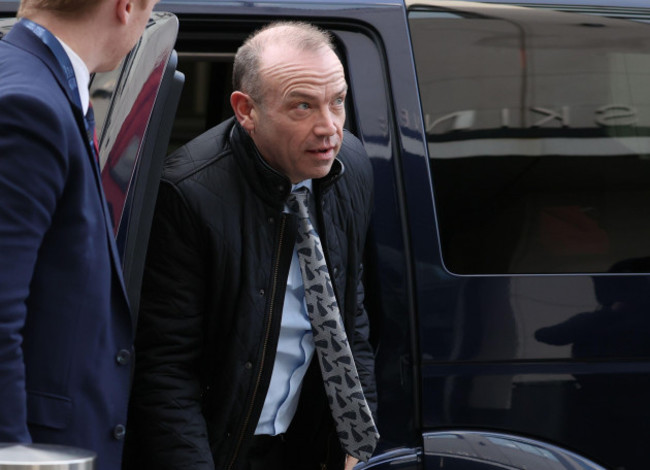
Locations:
538 128
123 101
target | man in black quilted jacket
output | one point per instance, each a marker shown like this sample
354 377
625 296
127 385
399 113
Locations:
228 373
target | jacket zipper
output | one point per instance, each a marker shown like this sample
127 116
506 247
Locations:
267 333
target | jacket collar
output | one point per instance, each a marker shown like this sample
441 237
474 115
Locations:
20 36
269 184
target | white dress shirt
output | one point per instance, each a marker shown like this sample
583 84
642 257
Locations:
81 74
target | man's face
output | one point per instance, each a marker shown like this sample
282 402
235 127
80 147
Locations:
298 127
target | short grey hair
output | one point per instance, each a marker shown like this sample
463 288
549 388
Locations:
304 36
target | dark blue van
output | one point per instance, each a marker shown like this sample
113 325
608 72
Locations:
509 259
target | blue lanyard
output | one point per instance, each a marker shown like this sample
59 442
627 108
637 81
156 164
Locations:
59 53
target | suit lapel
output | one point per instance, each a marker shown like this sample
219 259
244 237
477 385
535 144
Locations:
21 37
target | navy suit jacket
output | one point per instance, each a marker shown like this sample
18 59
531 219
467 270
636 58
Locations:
65 327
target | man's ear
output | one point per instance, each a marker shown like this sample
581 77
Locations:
244 109
123 9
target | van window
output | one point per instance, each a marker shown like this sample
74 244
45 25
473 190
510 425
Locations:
538 130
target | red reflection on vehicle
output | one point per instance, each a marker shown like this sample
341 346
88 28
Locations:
119 169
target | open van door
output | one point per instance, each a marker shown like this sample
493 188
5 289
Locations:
134 109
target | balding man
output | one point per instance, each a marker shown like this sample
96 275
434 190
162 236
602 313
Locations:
252 344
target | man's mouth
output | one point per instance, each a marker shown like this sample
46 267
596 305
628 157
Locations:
323 150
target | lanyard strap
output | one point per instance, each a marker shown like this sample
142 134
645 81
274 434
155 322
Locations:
59 53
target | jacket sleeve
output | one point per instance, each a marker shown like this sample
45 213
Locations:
166 428
364 354
32 175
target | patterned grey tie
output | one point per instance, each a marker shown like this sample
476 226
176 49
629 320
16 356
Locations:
354 423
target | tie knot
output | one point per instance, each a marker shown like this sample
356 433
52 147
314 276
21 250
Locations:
298 201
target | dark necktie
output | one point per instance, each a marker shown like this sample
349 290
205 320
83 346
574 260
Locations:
354 423
91 132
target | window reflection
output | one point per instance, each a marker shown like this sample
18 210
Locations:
538 124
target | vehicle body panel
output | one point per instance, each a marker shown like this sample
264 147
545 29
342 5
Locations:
465 347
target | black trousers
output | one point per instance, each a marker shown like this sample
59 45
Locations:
267 453
310 443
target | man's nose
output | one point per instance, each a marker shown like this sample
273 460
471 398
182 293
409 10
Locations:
326 123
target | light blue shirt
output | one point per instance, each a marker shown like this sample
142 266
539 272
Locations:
294 353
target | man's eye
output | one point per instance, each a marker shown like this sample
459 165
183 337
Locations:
339 101
303 106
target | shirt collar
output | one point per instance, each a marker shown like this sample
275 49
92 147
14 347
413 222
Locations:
81 73
303 184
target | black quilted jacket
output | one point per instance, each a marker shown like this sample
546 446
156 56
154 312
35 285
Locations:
212 299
